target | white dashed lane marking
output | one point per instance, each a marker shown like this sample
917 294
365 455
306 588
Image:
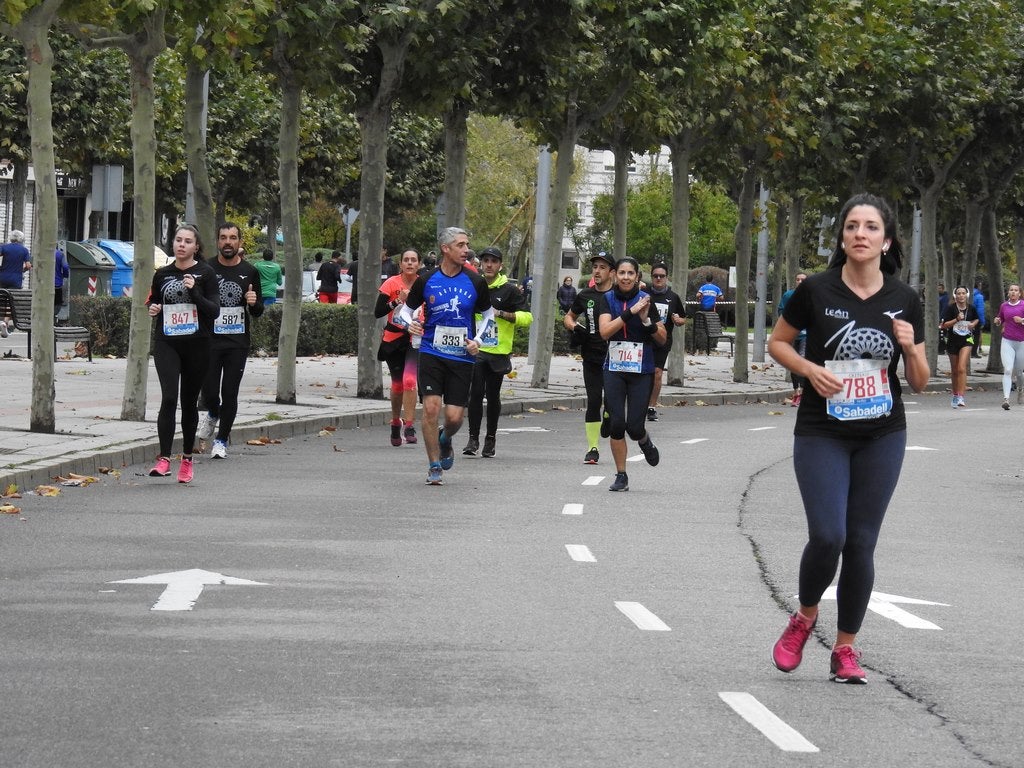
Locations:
760 429
572 509
777 731
594 480
642 617
580 553
694 441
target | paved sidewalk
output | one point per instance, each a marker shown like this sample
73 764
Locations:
90 433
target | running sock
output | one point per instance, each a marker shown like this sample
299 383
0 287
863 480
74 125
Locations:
593 433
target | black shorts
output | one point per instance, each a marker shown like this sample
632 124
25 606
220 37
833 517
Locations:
661 356
446 378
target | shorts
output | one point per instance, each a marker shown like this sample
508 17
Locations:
661 356
445 378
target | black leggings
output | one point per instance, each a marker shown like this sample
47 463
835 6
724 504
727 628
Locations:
220 390
846 486
486 383
182 359
593 381
626 396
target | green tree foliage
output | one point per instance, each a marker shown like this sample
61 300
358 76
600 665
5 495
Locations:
499 186
649 231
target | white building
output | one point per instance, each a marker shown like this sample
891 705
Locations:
599 179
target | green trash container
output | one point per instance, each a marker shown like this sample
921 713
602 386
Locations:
91 270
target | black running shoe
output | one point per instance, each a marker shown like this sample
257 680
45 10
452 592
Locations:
650 452
592 456
621 482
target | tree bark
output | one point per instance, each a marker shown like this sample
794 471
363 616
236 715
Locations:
33 32
545 317
620 205
744 231
994 268
195 154
19 189
680 157
1018 248
456 142
288 176
142 54
973 213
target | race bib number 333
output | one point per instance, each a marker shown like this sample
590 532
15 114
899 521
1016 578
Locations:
866 393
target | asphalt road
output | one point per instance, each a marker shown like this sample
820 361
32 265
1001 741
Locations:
516 616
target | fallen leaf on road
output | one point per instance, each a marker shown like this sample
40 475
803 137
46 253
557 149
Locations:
338 450
559 408
324 433
47 490
75 481
264 440
11 492
774 413
534 410
512 375
9 509
77 373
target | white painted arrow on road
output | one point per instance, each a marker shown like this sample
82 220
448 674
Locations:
882 604
185 587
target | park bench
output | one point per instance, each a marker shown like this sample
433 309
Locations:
707 331
17 304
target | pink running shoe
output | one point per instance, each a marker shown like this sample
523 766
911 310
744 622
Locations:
162 468
410 432
789 650
845 668
185 471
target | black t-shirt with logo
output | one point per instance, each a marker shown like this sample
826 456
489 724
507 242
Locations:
842 326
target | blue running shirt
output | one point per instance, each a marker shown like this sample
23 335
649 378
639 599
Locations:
449 305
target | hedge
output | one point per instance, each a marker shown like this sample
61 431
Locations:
324 329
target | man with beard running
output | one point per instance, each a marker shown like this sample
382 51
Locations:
673 312
238 283
581 322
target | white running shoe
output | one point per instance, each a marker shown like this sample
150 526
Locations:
3 329
220 450
207 426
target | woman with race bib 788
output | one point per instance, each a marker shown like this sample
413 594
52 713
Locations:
850 433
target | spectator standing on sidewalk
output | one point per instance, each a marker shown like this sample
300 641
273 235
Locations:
184 302
61 272
566 295
851 432
329 275
978 300
494 360
238 286
271 276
